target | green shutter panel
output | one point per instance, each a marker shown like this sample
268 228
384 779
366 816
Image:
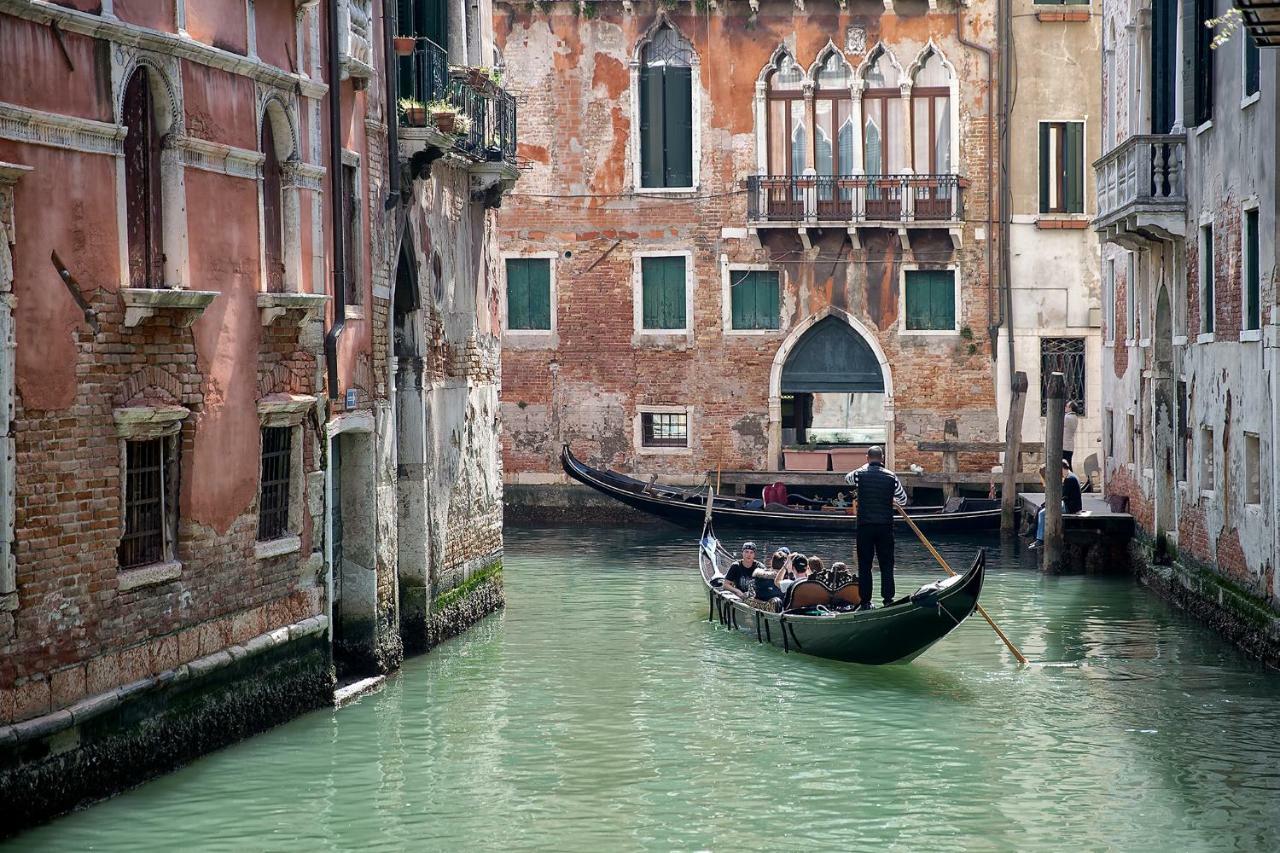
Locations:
1074 184
771 300
678 126
739 283
943 310
539 291
517 295
662 285
1045 177
919 300
651 127
650 285
673 288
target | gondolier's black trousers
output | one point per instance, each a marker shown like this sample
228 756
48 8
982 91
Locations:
875 541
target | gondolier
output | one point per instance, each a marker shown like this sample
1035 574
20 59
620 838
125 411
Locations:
876 489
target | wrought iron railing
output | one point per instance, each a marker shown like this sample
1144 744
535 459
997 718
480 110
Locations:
488 127
855 198
1142 170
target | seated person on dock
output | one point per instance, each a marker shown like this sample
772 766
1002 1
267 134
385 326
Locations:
1072 502
739 574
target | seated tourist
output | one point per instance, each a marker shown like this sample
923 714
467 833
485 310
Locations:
800 569
764 585
739 574
1072 500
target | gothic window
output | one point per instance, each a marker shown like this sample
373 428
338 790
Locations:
833 117
931 117
666 110
788 123
272 211
143 199
882 117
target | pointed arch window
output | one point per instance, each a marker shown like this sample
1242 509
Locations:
666 110
788 122
272 211
144 204
882 117
931 117
834 130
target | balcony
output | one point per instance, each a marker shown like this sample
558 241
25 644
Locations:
1141 189
482 129
853 201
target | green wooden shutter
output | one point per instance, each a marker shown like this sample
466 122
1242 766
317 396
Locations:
1045 177
943 300
517 294
539 290
1074 183
663 296
651 127
919 300
678 127
753 299
931 300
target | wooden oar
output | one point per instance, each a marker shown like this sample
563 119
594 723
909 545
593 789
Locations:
941 562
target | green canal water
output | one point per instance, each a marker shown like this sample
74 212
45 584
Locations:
601 711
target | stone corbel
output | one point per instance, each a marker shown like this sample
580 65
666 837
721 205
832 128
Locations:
295 306
627 6
143 302
888 6
284 410
138 423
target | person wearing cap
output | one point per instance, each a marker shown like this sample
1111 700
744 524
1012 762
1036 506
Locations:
877 490
739 574
799 571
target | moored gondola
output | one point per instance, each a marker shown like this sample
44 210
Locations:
898 632
685 507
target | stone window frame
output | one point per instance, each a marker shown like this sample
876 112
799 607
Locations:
353 309
1063 213
1109 301
290 411
142 423
10 174
284 123
1253 471
1247 335
530 338
1207 467
638 430
727 269
695 110
903 269
1248 98
639 332
1206 227
1131 299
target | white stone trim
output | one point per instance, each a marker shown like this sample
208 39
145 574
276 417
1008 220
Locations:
638 430
695 111
306 176
180 45
727 269
152 575
141 303
641 335
37 127
958 303
529 338
222 159
140 423
272 548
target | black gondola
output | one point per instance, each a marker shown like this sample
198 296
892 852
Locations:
899 632
686 507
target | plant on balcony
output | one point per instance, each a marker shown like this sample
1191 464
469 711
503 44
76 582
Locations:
444 115
403 45
461 124
413 112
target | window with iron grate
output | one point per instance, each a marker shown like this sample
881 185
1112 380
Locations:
149 503
273 507
664 429
1065 356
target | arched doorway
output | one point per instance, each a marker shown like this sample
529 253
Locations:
830 385
1164 417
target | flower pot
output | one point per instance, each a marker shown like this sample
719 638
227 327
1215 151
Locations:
848 459
805 460
493 154
444 121
415 116
403 45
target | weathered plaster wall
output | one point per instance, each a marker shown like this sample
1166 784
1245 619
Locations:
583 384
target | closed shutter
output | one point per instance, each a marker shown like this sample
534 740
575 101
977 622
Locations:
678 126
517 294
930 296
539 293
754 300
663 295
1253 311
1074 167
1045 177
651 127
943 299
1164 35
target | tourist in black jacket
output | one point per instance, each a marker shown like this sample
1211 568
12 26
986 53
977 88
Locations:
877 489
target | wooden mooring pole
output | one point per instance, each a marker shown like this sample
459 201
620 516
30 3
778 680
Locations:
1012 453
1054 415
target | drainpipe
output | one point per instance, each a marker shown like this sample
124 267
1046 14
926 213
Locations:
390 26
335 204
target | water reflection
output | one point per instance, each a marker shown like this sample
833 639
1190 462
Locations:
602 711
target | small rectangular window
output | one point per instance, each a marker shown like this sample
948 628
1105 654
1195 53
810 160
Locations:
1252 469
1252 278
1110 300
1131 440
664 429
1061 167
931 300
351 238
1131 299
1182 431
1252 70
662 286
1207 303
273 505
1203 58
1108 434
529 294
1065 356
754 297
148 502
1206 460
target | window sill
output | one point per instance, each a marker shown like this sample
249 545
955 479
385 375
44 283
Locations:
277 547
1250 335
151 575
529 339
295 307
1109 344
1062 222
353 312
752 332
141 303
1179 340
1208 125
1204 338
1143 343
665 451
284 410
1074 16
1250 100
666 190
1208 494
928 333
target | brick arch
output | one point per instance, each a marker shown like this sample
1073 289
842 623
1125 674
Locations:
148 383
280 378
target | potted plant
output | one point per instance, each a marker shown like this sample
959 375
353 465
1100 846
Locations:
493 149
403 45
461 124
445 116
415 114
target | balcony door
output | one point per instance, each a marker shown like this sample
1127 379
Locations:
427 19
1164 64
931 138
882 136
833 130
788 140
